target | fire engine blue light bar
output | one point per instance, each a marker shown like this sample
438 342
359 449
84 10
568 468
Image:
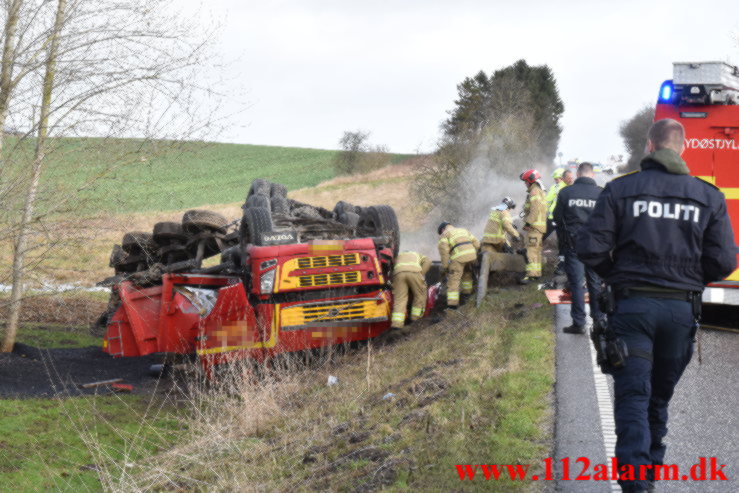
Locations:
665 92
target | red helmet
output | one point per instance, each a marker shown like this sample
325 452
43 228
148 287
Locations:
530 176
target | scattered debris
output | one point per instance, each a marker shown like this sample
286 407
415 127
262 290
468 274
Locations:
332 380
121 387
100 383
387 396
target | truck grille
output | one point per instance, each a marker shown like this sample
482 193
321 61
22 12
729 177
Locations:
328 261
329 279
333 313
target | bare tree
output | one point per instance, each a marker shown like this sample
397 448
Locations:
110 69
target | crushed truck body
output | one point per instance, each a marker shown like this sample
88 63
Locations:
292 277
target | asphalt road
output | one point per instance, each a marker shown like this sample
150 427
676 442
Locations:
703 412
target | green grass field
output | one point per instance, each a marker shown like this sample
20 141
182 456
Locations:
131 176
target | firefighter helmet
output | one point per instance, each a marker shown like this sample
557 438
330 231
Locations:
443 225
557 173
530 176
509 202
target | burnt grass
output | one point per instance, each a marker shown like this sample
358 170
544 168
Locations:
30 372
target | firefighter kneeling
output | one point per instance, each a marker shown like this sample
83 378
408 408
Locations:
408 276
499 228
458 252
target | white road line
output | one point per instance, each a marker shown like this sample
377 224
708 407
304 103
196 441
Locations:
605 409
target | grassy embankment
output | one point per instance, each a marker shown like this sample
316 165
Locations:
473 388
153 185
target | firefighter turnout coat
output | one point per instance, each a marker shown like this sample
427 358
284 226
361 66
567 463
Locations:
408 279
497 229
535 218
458 251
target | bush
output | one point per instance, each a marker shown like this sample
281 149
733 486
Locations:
358 156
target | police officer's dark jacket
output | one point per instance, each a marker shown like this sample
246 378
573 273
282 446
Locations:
574 205
659 227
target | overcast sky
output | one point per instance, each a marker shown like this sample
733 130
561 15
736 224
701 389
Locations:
309 69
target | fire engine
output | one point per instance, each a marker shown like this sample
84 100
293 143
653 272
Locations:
292 277
704 97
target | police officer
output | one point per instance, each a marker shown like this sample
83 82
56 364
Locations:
657 237
408 277
574 205
499 228
458 252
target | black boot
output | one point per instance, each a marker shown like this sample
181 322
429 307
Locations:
574 329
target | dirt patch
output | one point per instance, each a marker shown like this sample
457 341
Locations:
67 310
34 372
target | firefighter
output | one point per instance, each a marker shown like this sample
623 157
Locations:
552 194
657 237
408 276
574 205
535 224
499 228
458 252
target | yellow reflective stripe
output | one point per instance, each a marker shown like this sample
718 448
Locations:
398 316
416 312
466 285
535 197
493 235
452 295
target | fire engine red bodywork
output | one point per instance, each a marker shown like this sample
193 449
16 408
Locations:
240 324
712 153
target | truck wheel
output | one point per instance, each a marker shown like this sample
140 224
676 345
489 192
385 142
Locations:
482 278
117 256
351 219
165 232
138 241
380 220
280 205
342 207
260 187
277 190
195 221
258 200
256 221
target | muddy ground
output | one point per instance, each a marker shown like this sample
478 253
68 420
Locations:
31 372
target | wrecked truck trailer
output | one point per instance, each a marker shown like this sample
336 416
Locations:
292 277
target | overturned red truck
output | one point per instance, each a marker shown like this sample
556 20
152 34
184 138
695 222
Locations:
292 277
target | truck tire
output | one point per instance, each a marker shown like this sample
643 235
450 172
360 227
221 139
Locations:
117 256
280 205
350 219
195 221
260 187
256 221
277 190
138 241
342 207
258 200
166 232
380 220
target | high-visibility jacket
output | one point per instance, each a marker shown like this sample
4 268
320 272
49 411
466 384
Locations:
457 244
552 197
535 209
499 223
411 262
